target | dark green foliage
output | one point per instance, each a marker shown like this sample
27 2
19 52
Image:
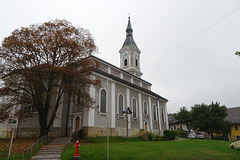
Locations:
183 134
163 138
221 137
184 116
81 134
170 134
210 118
149 136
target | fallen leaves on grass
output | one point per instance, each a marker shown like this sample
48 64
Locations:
18 145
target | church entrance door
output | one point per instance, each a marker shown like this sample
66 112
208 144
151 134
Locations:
145 126
77 122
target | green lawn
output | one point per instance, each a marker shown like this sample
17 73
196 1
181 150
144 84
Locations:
120 149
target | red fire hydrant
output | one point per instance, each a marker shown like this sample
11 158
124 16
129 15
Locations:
76 156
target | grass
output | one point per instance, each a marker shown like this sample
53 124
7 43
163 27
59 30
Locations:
134 149
16 156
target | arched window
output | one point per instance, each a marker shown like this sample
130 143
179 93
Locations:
120 103
134 108
162 115
125 62
136 62
145 107
154 113
103 102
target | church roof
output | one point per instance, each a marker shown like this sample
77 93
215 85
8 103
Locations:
129 41
124 81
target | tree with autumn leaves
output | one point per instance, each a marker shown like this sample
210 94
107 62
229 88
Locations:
41 63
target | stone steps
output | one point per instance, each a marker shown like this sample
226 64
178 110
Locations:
53 150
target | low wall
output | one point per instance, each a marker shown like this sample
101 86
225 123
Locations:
6 133
59 132
102 131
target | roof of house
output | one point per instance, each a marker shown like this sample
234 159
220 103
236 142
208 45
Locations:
171 119
233 115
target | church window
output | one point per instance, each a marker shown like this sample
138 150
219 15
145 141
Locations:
120 105
136 61
162 115
103 102
154 113
145 107
134 108
125 62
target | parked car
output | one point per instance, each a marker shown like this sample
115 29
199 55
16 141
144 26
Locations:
191 135
202 135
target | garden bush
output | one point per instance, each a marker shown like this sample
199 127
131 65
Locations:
148 136
81 134
170 134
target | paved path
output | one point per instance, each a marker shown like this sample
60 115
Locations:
53 150
180 139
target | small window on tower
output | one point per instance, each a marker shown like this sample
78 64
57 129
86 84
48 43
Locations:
125 62
136 62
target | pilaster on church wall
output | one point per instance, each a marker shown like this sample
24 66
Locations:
155 122
135 121
164 124
166 116
120 120
102 119
58 119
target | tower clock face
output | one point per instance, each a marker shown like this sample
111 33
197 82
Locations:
125 55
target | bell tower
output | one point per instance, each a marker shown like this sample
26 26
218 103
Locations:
130 54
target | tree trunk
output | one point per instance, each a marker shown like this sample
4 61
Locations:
188 127
212 135
43 124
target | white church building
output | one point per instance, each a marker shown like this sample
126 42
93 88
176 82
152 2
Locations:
121 88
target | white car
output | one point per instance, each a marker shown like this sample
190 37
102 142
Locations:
202 135
191 135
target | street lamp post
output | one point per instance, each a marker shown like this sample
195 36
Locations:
127 112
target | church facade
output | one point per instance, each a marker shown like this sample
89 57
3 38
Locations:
120 88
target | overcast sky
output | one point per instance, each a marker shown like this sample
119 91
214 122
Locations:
187 46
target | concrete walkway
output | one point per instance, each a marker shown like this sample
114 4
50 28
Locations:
53 150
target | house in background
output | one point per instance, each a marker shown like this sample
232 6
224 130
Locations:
174 124
233 116
121 88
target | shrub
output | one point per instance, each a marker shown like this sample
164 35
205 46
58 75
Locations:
219 137
170 134
163 138
149 136
141 131
155 137
178 133
81 134
182 133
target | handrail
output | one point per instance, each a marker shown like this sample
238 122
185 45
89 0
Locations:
43 139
